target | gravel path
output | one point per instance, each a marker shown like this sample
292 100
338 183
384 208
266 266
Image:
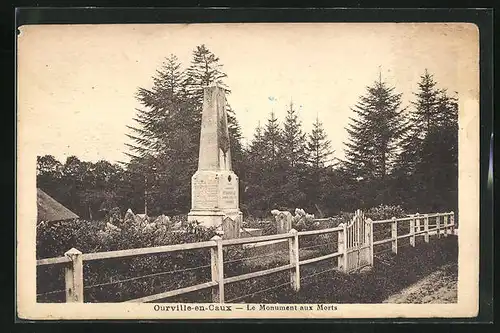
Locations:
438 287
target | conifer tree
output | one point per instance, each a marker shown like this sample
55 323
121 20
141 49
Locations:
272 138
421 121
375 133
428 162
205 69
427 99
318 146
160 103
266 169
294 159
319 152
294 139
254 189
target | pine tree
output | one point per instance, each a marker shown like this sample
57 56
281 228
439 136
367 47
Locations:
254 189
318 146
266 169
375 133
204 70
294 139
421 121
294 159
160 103
272 138
425 114
318 152
438 168
163 138
428 162
273 172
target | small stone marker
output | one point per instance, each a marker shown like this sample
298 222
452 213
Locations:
214 186
283 221
129 217
162 220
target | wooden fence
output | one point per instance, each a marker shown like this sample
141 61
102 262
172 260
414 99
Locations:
355 250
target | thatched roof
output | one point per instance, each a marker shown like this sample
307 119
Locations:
50 210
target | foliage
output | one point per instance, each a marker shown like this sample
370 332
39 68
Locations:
375 133
268 226
54 239
285 167
427 169
318 152
86 188
266 169
294 139
384 212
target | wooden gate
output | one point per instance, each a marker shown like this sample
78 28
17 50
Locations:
358 243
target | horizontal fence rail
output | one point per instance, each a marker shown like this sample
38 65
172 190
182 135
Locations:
354 250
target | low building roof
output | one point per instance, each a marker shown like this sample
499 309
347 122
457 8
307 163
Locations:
50 210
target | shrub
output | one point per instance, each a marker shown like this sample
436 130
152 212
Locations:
345 217
53 240
384 212
268 226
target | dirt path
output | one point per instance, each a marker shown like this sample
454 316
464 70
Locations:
439 287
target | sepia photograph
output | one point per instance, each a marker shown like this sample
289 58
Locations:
248 170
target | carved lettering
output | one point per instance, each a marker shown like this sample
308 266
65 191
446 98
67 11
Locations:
229 196
204 194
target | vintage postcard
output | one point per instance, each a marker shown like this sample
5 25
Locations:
278 170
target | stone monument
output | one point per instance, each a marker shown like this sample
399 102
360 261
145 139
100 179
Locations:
214 186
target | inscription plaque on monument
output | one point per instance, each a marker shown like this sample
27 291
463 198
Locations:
205 191
228 192
214 186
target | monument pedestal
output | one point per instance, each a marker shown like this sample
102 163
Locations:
214 195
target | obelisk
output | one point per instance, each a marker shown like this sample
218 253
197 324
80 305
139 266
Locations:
214 186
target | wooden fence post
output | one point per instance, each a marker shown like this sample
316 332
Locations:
217 266
417 222
446 226
412 231
394 235
369 239
73 273
426 228
293 245
452 223
342 248
438 226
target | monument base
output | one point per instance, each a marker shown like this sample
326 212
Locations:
207 218
215 219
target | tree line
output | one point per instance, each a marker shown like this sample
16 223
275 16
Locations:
394 155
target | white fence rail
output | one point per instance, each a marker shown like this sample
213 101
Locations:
355 250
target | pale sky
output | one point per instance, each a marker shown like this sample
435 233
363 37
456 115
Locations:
77 83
